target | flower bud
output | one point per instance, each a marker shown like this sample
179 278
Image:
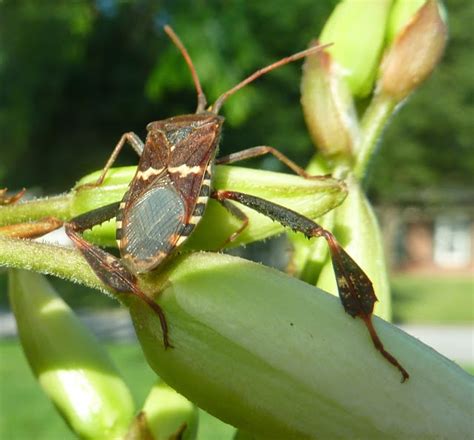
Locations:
357 29
328 106
169 415
400 15
280 359
311 198
70 365
416 50
358 231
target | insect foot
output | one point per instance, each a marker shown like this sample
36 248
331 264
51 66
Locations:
5 200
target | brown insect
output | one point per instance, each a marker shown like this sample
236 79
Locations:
169 193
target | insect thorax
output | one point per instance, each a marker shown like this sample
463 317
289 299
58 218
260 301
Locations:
170 191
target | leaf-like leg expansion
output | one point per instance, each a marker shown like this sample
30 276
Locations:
109 269
4 200
355 288
357 294
236 212
136 144
262 150
32 229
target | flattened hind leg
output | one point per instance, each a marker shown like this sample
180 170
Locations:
355 288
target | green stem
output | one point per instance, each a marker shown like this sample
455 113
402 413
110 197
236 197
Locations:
49 259
373 123
58 206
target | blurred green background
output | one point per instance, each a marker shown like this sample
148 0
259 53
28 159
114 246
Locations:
75 75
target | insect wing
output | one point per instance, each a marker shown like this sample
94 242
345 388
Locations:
152 226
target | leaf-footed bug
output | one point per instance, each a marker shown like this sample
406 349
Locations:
168 196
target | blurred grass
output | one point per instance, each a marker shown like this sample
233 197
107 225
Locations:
26 413
433 299
25 410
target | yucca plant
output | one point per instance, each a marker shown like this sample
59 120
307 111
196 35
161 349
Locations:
272 355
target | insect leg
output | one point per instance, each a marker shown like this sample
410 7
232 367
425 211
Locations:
109 269
354 286
262 150
31 229
236 212
136 144
4 200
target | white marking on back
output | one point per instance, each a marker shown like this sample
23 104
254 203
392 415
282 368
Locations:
180 240
150 171
184 170
194 219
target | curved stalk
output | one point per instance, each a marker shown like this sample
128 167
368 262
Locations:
57 206
373 123
48 259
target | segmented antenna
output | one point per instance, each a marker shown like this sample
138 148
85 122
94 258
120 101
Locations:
201 98
220 101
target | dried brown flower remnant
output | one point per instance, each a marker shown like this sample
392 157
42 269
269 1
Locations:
415 52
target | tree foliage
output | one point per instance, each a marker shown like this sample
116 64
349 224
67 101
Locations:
75 75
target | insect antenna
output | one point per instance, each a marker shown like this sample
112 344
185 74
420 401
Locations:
220 101
201 97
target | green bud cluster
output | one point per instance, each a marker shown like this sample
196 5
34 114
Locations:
382 51
383 48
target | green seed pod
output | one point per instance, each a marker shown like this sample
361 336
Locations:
170 415
278 358
312 198
357 29
357 229
70 365
416 50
